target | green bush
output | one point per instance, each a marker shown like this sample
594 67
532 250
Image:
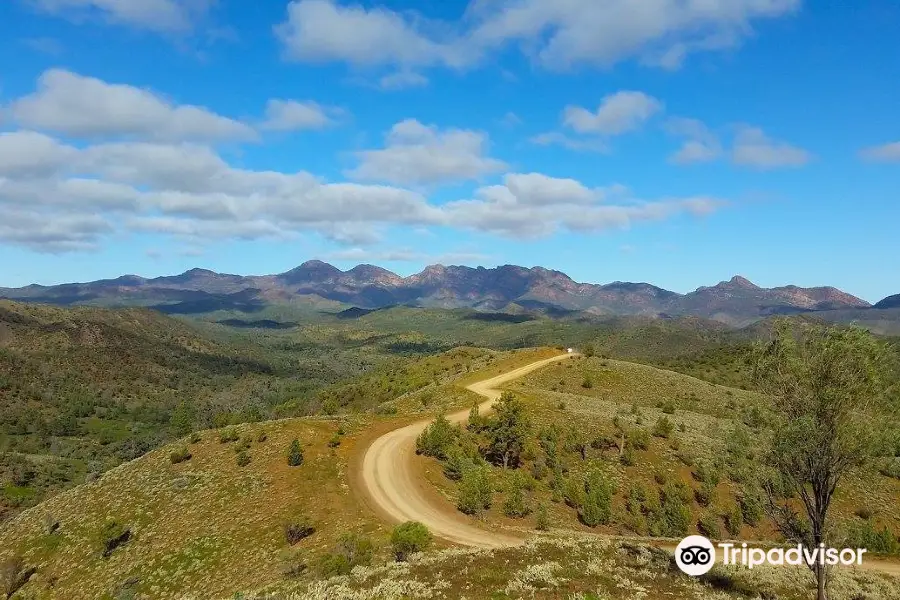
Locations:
734 520
751 507
543 519
597 505
295 454
409 538
515 505
706 473
352 550
663 428
298 530
242 459
708 525
228 435
437 438
638 438
180 455
705 494
865 535
475 491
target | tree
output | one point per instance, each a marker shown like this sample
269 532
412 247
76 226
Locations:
508 431
409 538
295 454
828 384
475 491
436 439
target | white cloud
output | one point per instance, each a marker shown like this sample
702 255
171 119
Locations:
700 144
80 106
540 190
883 153
417 154
618 113
753 148
164 16
402 80
28 154
291 115
556 138
557 34
323 31
56 198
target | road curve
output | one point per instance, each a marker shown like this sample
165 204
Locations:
389 475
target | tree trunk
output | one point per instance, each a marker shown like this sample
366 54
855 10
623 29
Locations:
820 582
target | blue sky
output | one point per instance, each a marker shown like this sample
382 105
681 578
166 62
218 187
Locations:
677 142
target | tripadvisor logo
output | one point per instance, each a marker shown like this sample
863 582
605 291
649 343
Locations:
696 555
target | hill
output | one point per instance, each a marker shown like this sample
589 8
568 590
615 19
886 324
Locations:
84 389
504 288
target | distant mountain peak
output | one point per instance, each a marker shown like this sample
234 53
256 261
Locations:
738 281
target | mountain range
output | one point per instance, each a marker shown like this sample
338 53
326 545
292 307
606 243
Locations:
506 288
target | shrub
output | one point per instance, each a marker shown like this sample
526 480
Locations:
475 491
668 407
751 507
708 525
179 455
734 520
228 435
515 506
638 438
295 454
597 506
663 428
242 459
112 535
706 473
437 438
298 530
864 535
543 519
409 538
705 494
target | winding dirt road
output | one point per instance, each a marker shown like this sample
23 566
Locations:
391 480
398 490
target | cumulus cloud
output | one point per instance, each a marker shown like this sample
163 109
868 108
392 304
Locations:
292 115
753 148
417 154
555 34
163 16
699 145
618 113
75 105
883 153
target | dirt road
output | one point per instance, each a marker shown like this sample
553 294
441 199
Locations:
398 490
392 483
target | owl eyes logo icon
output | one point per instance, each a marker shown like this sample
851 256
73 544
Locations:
695 555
